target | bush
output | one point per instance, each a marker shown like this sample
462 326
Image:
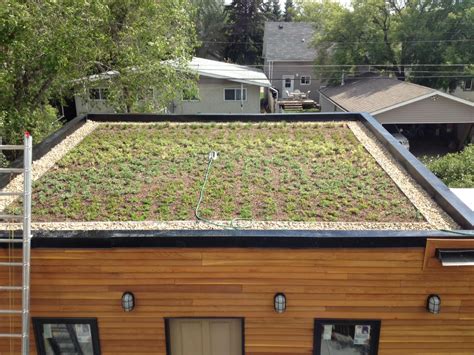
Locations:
40 123
456 169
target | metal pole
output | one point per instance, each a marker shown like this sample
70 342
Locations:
25 324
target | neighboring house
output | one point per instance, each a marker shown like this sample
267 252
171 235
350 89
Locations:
465 90
223 88
395 102
358 249
289 57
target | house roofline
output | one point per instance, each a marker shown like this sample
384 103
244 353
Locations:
423 97
332 101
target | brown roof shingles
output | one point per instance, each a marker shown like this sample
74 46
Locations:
373 94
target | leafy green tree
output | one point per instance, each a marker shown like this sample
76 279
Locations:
455 169
397 37
45 46
289 10
271 10
211 22
245 35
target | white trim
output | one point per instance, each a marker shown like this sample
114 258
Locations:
101 91
422 97
235 89
305 76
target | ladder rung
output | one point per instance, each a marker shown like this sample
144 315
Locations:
11 288
11 170
10 311
16 240
10 335
10 216
12 147
10 193
11 264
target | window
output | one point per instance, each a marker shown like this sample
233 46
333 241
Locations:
468 85
203 336
66 336
346 337
98 94
234 94
305 80
287 83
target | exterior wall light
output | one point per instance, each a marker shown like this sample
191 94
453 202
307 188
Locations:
280 302
433 304
128 301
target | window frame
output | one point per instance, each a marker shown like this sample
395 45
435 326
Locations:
465 87
38 326
305 76
374 324
168 330
101 94
236 89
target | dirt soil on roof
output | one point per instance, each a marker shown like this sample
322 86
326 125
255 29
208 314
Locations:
279 172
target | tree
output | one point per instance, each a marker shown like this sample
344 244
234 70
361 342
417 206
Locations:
289 9
271 10
46 46
211 21
245 35
397 37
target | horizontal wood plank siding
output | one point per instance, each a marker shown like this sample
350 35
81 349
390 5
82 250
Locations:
386 284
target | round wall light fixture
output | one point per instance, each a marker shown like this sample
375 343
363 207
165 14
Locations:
128 301
279 302
433 304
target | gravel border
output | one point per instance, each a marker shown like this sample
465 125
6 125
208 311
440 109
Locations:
436 218
42 165
198 225
434 215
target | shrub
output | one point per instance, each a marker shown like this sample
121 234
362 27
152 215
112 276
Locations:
40 123
456 169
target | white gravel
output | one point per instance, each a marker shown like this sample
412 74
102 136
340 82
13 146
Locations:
42 165
436 218
260 225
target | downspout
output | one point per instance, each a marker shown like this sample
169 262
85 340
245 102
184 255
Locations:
275 103
241 96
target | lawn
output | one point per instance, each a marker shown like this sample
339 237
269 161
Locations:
285 172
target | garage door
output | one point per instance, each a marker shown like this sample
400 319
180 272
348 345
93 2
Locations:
205 336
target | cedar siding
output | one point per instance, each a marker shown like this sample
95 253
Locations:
390 284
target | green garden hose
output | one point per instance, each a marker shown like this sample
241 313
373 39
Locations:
212 156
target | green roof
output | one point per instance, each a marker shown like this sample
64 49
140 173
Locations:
264 172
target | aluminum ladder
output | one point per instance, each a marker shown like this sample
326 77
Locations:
24 312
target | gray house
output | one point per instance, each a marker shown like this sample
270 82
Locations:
289 57
223 88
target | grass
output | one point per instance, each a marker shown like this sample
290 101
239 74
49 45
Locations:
288 171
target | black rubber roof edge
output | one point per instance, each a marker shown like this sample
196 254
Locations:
445 198
295 239
40 149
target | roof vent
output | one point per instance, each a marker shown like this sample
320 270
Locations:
280 26
302 39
